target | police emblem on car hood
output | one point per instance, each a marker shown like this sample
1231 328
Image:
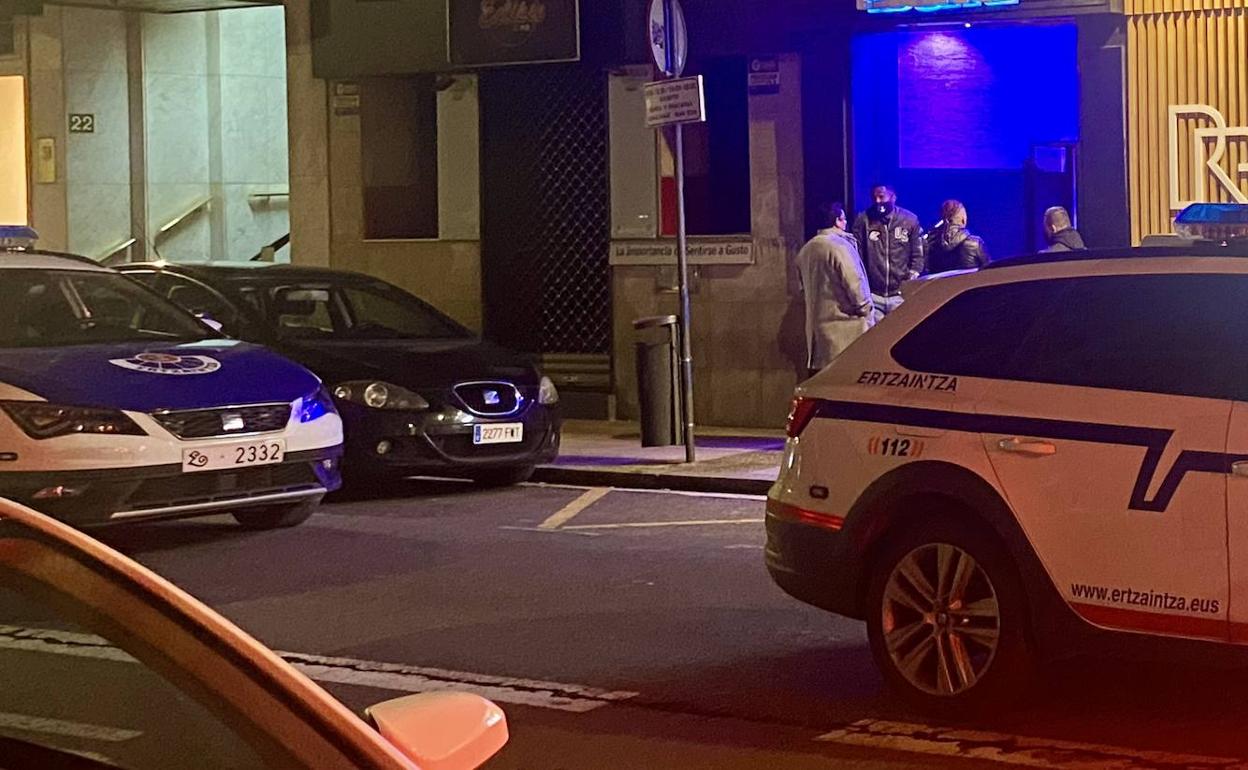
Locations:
168 363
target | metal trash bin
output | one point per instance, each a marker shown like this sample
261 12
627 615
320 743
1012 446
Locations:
658 378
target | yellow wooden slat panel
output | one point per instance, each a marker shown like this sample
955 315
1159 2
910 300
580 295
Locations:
1147 7
1133 149
1177 56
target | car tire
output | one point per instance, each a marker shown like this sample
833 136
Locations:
276 516
947 619
503 477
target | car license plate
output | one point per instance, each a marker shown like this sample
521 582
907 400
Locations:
498 433
225 456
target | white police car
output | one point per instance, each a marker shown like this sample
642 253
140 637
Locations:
115 405
1042 458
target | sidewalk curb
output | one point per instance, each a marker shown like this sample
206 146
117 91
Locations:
553 474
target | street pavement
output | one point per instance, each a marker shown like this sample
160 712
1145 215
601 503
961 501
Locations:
639 629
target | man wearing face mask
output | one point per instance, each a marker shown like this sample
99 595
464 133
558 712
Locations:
891 241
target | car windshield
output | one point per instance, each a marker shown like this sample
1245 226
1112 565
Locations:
55 308
353 311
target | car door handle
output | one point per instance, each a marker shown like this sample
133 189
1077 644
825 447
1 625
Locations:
1240 468
1033 448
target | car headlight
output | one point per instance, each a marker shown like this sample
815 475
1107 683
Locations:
380 395
547 393
315 405
41 420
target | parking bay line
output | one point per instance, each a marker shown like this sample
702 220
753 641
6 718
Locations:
656 524
632 491
65 728
1016 749
337 670
395 676
567 512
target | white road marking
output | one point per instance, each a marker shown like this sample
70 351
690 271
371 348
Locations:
651 524
560 531
386 676
567 512
61 643
62 727
1016 749
404 678
635 491
686 493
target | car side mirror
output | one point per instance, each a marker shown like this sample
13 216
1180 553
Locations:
442 730
210 322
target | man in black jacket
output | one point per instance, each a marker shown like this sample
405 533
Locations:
1061 233
891 241
950 246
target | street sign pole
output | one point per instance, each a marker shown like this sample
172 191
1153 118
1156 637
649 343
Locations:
674 65
682 276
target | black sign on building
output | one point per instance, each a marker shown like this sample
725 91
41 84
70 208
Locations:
491 32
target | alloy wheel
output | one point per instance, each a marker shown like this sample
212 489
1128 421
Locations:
941 619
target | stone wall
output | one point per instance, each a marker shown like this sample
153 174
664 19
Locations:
747 320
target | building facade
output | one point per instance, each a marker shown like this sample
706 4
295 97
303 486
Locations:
496 163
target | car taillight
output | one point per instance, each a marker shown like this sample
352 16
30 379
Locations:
800 415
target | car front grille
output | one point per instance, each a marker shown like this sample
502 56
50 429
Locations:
214 486
490 399
208 423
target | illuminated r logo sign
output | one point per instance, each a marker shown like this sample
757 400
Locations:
1203 165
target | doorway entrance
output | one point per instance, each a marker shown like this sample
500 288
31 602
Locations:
984 113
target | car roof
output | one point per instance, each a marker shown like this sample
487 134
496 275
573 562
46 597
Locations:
38 259
211 271
1235 248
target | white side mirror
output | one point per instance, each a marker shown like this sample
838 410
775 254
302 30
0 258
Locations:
442 730
210 322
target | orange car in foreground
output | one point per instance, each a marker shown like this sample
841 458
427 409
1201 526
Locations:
105 664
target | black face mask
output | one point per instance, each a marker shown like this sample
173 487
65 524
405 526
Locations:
880 210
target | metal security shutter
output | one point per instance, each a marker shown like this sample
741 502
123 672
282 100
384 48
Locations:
546 209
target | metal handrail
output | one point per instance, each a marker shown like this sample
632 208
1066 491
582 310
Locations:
111 257
177 221
267 195
269 251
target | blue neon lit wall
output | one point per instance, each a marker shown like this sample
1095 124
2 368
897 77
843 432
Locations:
954 112
982 97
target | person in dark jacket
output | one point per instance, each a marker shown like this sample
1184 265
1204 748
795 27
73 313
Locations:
1061 233
950 246
891 242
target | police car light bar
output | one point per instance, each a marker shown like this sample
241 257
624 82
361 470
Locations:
17 237
1212 221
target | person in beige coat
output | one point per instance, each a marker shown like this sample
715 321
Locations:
835 291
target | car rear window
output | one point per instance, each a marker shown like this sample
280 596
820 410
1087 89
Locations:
348 310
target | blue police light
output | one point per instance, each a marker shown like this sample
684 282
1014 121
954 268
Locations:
1212 221
17 237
